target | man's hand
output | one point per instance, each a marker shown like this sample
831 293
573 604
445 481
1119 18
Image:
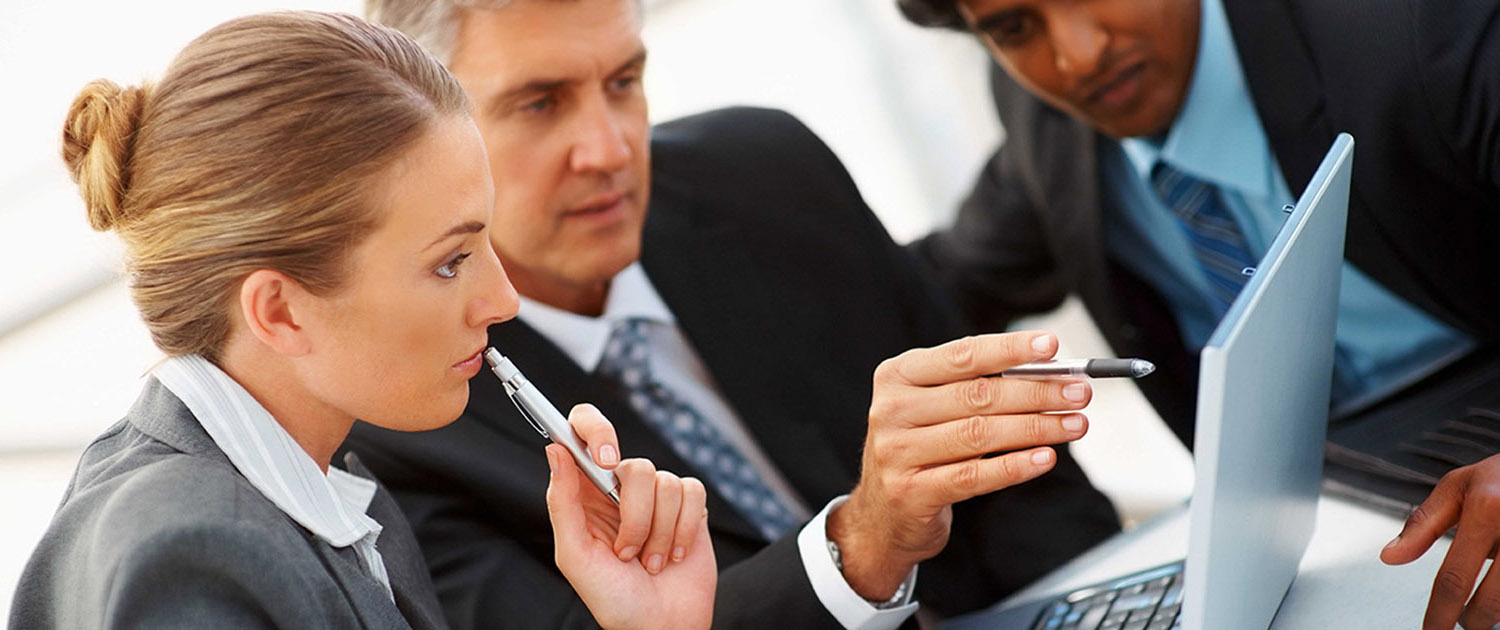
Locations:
935 416
646 563
1469 498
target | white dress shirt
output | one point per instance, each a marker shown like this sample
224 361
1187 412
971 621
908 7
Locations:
678 367
330 506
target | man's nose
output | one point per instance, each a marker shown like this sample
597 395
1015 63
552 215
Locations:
1078 43
601 145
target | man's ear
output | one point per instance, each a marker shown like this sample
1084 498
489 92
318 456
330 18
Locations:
270 304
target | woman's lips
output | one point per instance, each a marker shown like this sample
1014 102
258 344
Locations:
470 366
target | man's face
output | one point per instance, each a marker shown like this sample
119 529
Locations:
1121 66
557 95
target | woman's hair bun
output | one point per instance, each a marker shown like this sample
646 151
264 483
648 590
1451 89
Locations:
97 143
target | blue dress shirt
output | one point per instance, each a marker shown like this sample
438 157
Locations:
1383 342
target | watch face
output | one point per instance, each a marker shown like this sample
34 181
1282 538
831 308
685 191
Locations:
838 558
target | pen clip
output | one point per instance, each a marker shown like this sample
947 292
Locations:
511 393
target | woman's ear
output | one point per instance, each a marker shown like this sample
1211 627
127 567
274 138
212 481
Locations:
271 304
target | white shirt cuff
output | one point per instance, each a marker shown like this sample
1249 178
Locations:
851 610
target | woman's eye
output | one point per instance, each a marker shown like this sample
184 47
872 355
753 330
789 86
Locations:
450 270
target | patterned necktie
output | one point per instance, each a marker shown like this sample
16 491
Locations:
1217 241
626 362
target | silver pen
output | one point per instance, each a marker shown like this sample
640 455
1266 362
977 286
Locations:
546 419
1082 368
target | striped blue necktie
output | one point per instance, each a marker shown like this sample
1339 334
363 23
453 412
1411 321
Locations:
1217 241
691 436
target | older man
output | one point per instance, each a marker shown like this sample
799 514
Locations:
730 333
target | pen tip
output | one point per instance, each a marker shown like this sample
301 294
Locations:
1141 367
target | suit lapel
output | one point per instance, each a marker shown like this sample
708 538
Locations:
1284 84
566 384
718 293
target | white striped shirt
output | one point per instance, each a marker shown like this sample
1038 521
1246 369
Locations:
330 506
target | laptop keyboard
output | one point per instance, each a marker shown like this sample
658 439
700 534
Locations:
1150 600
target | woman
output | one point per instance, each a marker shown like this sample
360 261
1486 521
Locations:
305 202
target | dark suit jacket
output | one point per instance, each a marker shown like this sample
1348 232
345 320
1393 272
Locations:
792 292
159 530
1415 81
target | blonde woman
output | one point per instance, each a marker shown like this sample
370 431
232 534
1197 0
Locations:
305 205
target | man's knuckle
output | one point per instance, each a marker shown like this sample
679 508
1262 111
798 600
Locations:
1419 515
977 394
1451 584
886 409
889 451
888 369
960 353
966 476
1037 428
973 433
1484 608
1043 396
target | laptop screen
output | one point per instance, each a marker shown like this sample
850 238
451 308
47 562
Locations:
1263 399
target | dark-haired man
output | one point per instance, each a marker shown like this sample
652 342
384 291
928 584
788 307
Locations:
1151 145
729 333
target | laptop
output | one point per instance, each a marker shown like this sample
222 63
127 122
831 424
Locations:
1263 399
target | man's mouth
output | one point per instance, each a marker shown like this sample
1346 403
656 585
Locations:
1120 88
599 205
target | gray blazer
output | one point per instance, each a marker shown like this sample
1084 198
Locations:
159 530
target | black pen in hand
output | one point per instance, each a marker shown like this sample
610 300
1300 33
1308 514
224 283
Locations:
1082 368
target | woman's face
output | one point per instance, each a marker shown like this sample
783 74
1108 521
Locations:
397 344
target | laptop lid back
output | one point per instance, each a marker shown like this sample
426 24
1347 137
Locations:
1263 403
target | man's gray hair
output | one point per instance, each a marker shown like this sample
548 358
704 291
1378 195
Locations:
433 23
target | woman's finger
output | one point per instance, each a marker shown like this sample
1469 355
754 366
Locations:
596 432
637 505
663 521
690 517
569 529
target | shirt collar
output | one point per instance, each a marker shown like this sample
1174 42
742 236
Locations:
582 338
1217 136
330 506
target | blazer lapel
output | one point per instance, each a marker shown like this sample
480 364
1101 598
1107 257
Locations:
160 414
411 584
719 295
368 600
566 384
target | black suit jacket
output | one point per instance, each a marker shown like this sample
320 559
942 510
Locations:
1415 81
791 292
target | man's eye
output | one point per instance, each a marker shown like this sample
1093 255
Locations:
450 270
539 105
621 84
1012 30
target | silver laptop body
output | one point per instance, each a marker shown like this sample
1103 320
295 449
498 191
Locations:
1263 400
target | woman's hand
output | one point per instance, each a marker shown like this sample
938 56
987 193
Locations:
1470 499
646 563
